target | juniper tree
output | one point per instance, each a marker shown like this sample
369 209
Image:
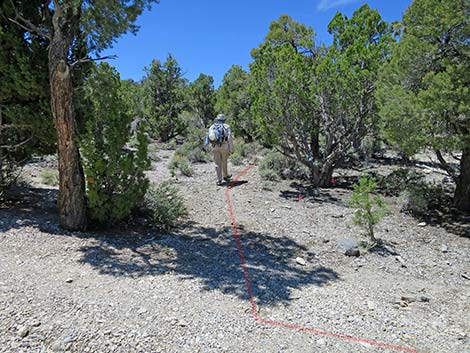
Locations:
424 93
233 99
164 99
315 104
62 23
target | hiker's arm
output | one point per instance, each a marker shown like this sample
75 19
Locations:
230 140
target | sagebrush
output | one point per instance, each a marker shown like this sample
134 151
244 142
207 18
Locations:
164 205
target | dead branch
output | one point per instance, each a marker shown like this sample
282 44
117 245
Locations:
84 60
26 24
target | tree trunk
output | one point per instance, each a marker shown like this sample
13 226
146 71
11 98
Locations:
321 177
72 210
462 192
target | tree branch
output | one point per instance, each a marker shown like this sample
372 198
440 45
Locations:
84 60
26 24
446 166
18 144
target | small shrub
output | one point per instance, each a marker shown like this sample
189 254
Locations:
268 174
236 160
369 209
14 151
182 164
193 151
50 177
275 165
400 180
420 199
164 205
243 151
153 152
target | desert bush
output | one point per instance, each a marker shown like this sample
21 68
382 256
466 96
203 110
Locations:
9 172
370 208
153 152
422 198
242 151
193 151
182 164
400 180
49 177
164 205
15 149
275 165
116 182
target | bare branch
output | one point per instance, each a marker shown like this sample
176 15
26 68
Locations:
18 144
84 60
26 24
448 168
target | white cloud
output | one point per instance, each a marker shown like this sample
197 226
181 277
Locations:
329 4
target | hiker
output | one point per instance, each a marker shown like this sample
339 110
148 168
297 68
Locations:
220 137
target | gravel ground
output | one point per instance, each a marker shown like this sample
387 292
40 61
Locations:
132 291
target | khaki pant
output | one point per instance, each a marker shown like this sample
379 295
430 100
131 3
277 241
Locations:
221 154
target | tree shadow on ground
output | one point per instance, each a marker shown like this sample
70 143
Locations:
211 256
452 220
313 194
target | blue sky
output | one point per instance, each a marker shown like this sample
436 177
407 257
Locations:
209 36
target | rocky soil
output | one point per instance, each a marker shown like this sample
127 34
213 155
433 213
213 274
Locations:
128 290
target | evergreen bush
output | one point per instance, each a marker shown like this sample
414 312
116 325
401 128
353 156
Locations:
115 177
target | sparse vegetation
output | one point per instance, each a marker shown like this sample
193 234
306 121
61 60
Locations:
182 164
164 205
49 177
370 207
275 166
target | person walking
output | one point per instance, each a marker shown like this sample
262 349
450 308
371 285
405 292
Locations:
220 137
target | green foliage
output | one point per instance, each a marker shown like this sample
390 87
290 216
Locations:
423 94
14 151
202 99
49 177
233 99
316 104
105 20
164 205
275 165
115 174
181 163
24 88
9 173
400 180
193 151
420 199
153 152
164 99
242 151
132 94
370 209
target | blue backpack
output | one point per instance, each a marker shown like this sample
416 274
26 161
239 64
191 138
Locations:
217 134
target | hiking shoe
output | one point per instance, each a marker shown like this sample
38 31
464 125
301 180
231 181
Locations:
219 183
228 177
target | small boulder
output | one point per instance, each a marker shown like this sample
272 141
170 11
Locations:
348 247
23 331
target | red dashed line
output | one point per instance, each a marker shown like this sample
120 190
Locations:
249 289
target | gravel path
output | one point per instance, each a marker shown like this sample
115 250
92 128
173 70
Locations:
124 291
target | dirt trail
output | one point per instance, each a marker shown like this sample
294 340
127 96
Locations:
184 291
